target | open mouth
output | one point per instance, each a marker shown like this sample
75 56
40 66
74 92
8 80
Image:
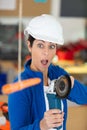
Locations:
44 62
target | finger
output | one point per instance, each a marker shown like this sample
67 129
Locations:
54 119
53 111
55 125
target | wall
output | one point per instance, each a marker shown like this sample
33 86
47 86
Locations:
29 8
77 118
74 28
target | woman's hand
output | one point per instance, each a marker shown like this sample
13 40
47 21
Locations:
52 118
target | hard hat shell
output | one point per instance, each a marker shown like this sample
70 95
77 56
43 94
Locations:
45 27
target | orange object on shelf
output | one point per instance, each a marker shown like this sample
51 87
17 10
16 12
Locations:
6 126
1 103
3 107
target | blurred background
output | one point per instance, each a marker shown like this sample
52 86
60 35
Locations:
72 14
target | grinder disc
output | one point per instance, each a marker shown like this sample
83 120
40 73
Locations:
62 86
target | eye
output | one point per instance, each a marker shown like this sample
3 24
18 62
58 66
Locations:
40 45
52 46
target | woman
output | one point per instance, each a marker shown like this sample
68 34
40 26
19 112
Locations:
29 108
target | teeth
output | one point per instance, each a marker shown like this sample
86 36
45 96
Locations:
44 62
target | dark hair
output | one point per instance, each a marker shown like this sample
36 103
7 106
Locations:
31 39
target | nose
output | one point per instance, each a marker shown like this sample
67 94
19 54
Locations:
46 51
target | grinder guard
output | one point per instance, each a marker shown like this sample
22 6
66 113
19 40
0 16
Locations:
62 86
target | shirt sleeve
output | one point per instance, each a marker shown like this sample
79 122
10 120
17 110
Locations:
78 93
20 115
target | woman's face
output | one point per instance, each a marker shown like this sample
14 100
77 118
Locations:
42 54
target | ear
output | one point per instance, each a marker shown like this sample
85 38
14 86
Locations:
29 47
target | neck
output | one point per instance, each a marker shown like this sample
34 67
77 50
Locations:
45 77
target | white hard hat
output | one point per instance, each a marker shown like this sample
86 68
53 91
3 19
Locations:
46 28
